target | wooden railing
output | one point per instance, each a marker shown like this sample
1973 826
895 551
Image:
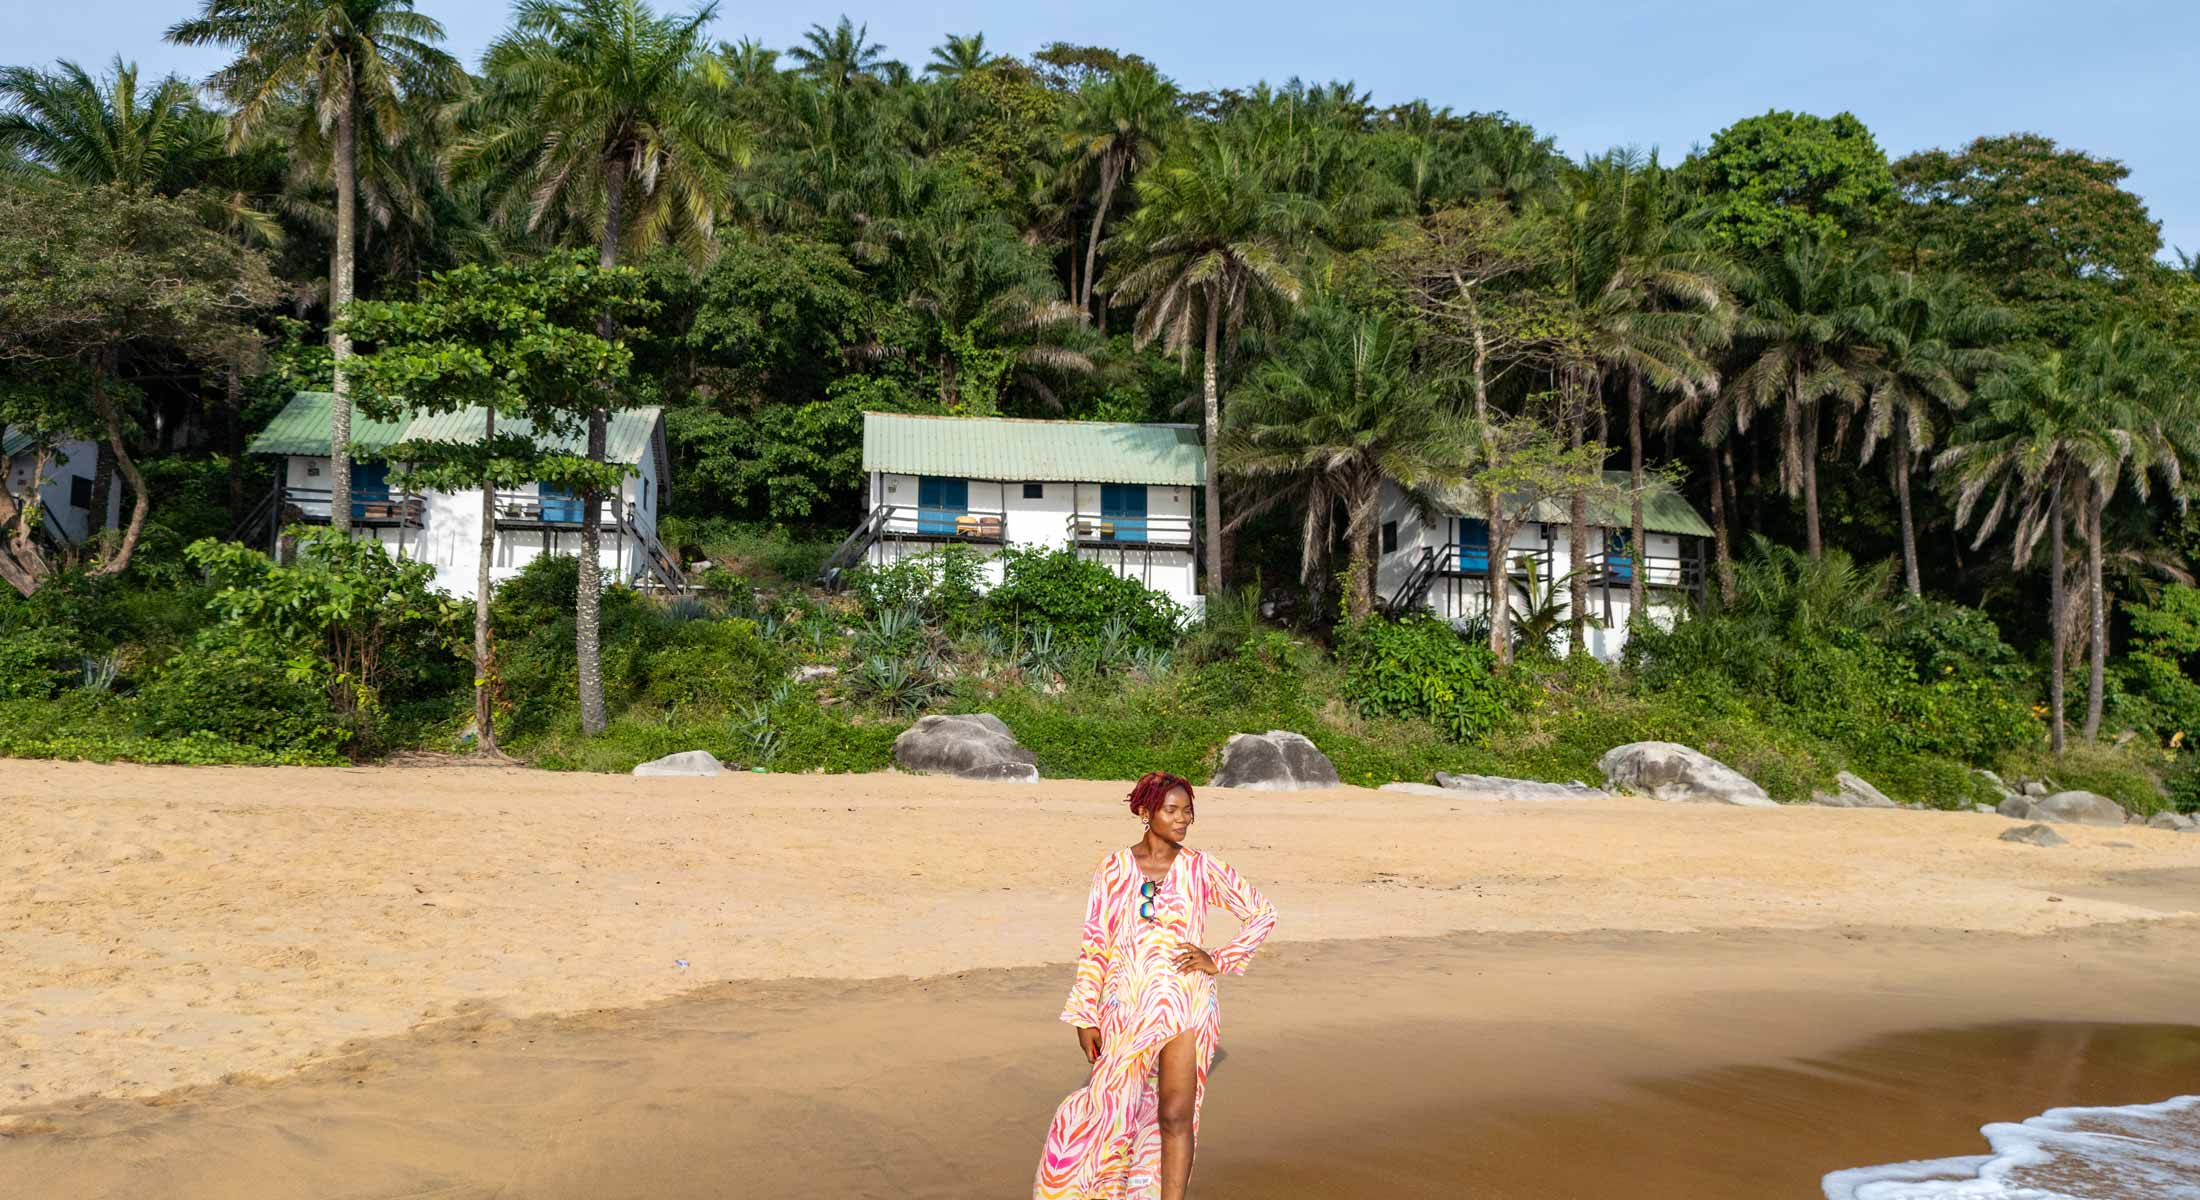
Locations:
1165 531
369 506
1603 570
988 526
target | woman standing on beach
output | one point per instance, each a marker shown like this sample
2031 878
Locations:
1145 1009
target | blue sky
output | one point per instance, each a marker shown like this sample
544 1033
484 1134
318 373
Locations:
2111 76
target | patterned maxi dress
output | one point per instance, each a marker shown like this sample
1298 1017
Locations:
1105 1142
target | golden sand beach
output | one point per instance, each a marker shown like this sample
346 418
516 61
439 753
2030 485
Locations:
479 981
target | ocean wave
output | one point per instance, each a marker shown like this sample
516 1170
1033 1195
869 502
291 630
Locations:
2132 1152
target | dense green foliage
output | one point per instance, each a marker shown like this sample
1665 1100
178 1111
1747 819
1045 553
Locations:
1970 362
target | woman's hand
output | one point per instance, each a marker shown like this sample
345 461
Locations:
1192 958
1088 1040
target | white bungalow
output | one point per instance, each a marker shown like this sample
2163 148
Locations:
1125 495
1445 564
443 529
65 487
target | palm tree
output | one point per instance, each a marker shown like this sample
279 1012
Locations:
993 299
353 62
2055 441
107 130
1921 353
1331 419
2149 392
841 57
1639 296
1805 322
590 108
960 55
1662 303
1206 253
1117 123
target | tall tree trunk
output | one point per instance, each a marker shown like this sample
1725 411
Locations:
233 439
1811 535
1497 574
114 562
1109 173
485 670
2097 601
103 489
1722 553
588 612
1756 485
1577 527
1638 546
1733 490
339 303
1910 577
1209 383
1361 531
2057 651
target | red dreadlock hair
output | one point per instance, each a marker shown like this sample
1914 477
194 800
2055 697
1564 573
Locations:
1154 787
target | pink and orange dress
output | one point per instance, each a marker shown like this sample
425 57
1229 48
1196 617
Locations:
1105 1142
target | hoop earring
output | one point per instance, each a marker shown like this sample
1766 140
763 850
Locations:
1146 825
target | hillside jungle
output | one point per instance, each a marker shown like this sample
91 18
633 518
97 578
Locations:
1939 410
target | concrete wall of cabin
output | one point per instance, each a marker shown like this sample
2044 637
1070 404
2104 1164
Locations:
1465 597
449 538
1045 520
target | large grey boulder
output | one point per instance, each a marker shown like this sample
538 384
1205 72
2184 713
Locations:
1853 792
686 762
2015 807
1419 789
1275 761
977 746
1670 771
1498 787
2034 835
2170 820
2078 808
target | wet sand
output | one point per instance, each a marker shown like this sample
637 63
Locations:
1536 1066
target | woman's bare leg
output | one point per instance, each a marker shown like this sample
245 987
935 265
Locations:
1179 1088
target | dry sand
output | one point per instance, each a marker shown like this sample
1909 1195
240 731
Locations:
169 926
413 937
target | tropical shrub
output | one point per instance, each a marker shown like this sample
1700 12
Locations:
709 662
941 585
1420 666
1077 597
239 686
342 616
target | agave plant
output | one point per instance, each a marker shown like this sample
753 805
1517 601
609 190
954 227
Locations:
1150 662
894 632
99 671
894 683
1041 655
754 724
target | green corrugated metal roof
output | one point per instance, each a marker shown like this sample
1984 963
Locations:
626 439
12 443
302 428
1039 451
1663 509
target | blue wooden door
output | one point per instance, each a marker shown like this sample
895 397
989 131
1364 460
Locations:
939 502
1472 536
1123 506
1619 555
370 484
558 505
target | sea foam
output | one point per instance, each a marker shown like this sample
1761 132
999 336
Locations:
2135 1152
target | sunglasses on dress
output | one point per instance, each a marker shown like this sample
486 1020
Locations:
1149 889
